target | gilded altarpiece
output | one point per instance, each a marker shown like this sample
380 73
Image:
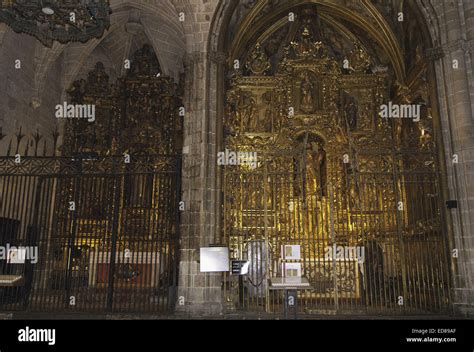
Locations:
329 174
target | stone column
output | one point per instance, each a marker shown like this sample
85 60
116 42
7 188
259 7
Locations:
458 126
199 294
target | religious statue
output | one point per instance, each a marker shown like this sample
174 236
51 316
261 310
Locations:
316 170
366 117
247 112
306 46
307 94
354 193
352 111
270 123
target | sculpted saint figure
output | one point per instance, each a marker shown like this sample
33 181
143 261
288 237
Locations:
308 102
247 112
352 111
316 169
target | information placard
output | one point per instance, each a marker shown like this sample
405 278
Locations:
214 259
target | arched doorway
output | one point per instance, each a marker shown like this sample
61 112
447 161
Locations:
336 171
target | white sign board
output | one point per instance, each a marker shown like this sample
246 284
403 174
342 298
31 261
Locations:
290 252
214 259
291 270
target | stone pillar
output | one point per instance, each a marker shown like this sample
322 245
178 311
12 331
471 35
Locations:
458 126
199 294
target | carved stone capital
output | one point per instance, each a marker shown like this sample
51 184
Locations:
435 54
218 57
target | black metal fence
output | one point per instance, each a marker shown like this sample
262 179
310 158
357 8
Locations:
89 233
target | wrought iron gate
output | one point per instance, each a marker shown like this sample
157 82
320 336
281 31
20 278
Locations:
371 237
106 233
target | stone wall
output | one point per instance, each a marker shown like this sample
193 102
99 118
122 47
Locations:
20 105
